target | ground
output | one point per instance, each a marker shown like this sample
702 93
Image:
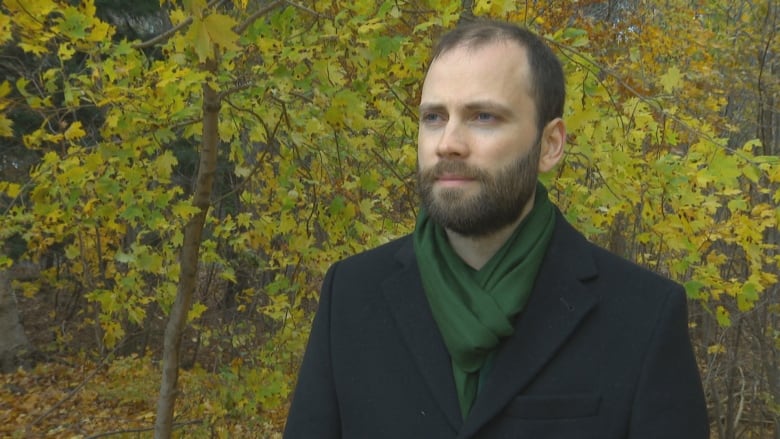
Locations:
72 392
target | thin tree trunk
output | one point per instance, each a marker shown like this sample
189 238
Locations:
189 258
190 252
13 339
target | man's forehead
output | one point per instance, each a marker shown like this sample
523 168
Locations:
502 54
488 62
470 48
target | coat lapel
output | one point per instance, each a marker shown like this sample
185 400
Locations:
406 298
558 304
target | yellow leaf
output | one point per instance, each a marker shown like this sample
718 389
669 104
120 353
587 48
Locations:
36 49
185 210
11 189
88 7
201 42
751 172
220 30
5 88
195 7
6 126
671 80
177 16
66 51
163 165
101 31
5 28
75 131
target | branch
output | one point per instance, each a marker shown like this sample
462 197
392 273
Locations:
252 18
141 430
305 9
648 100
78 388
170 32
66 398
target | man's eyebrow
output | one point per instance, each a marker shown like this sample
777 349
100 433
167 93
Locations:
491 106
431 108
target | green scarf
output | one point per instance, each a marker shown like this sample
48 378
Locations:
474 309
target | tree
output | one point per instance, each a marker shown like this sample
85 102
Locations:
14 344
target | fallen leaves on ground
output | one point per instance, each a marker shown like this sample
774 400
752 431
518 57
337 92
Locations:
82 399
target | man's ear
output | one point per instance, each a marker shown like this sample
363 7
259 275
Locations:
552 144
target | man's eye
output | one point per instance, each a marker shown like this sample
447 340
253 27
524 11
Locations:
485 117
430 117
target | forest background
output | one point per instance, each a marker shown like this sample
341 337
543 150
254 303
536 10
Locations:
175 178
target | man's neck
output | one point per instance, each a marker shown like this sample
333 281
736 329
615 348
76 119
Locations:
477 251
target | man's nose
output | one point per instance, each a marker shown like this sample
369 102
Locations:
453 142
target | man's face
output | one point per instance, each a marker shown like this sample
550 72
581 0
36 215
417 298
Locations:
478 142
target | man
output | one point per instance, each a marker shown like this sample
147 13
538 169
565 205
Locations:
495 318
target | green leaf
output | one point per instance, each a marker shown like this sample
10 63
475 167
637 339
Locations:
737 204
150 262
747 298
723 316
693 289
385 46
124 258
337 205
751 172
73 24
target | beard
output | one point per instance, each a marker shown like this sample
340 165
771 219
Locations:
500 199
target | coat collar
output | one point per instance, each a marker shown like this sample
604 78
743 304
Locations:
558 303
406 298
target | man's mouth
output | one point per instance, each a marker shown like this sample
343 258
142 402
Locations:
448 179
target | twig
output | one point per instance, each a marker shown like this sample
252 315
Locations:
251 19
141 430
648 100
169 33
67 397
305 9
78 388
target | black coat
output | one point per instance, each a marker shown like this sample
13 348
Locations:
601 351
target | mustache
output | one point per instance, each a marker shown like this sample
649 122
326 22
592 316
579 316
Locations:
452 167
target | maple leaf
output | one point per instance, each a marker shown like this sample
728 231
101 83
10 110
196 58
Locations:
201 42
220 30
671 80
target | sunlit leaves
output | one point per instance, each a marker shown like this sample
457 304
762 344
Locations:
644 163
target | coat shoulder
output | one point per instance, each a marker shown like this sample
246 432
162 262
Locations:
607 275
385 257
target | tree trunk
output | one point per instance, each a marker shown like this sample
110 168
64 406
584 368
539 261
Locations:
13 339
189 259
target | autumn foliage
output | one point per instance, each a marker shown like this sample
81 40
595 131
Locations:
672 162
